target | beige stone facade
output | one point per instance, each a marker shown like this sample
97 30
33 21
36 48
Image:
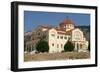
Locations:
58 36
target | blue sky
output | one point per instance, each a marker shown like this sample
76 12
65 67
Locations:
33 19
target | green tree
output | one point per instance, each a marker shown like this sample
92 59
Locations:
42 46
69 46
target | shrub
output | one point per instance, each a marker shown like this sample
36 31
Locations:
42 46
69 46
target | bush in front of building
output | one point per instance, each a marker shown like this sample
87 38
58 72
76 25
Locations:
42 46
68 47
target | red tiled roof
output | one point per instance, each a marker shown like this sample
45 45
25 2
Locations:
66 22
64 32
46 26
67 32
60 29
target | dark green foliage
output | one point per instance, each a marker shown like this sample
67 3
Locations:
42 46
69 46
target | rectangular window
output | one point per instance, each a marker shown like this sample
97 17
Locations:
61 45
53 44
38 33
61 37
52 35
58 37
65 37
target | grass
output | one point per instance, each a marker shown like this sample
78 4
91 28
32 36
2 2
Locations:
56 56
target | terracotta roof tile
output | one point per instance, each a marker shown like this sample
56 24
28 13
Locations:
46 26
66 22
65 32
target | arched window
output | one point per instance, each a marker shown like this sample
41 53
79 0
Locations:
61 45
78 36
52 44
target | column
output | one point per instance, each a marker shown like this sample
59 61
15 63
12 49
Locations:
79 46
75 46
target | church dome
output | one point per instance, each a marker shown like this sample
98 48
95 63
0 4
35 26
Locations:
66 22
